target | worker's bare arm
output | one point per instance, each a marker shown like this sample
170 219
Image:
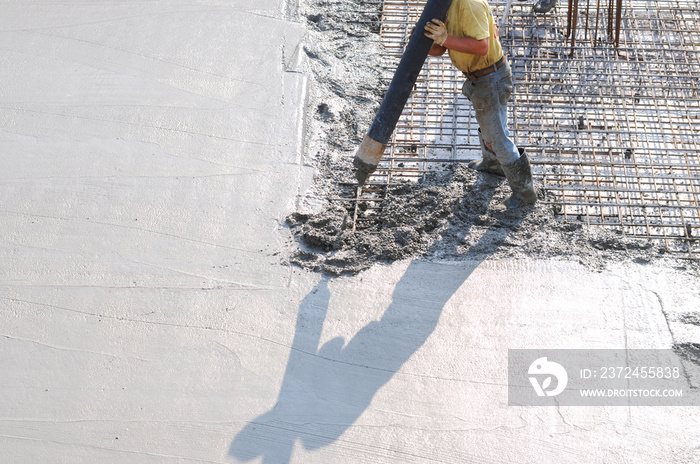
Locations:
437 30
467 45
437 50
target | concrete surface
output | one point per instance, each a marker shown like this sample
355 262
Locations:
150 152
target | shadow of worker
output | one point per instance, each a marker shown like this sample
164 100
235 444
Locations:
325 389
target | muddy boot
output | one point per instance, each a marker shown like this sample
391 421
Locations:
519 178
544 6
489 163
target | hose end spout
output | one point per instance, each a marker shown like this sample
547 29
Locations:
367 158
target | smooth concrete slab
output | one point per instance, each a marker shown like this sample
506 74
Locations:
150 152
408 363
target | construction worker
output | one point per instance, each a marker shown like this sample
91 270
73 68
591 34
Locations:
471 39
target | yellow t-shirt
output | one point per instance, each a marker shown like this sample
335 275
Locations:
473 18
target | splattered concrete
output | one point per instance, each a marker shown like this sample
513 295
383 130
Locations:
451 214
457 215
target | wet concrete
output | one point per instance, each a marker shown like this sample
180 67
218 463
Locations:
451 213
456 215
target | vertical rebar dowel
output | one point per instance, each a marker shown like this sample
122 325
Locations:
574 21
597 17
568 18
618 22
585 36
357 207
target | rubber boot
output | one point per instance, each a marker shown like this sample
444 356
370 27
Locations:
519 176
544 6
489 162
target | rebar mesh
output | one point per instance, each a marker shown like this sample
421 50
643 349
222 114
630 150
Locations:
611 131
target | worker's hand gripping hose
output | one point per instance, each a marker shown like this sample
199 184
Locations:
437 31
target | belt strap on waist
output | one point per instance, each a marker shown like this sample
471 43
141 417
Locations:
473 76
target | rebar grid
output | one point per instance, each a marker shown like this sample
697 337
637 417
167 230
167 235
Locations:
611 131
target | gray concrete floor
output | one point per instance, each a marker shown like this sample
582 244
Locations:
150 152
